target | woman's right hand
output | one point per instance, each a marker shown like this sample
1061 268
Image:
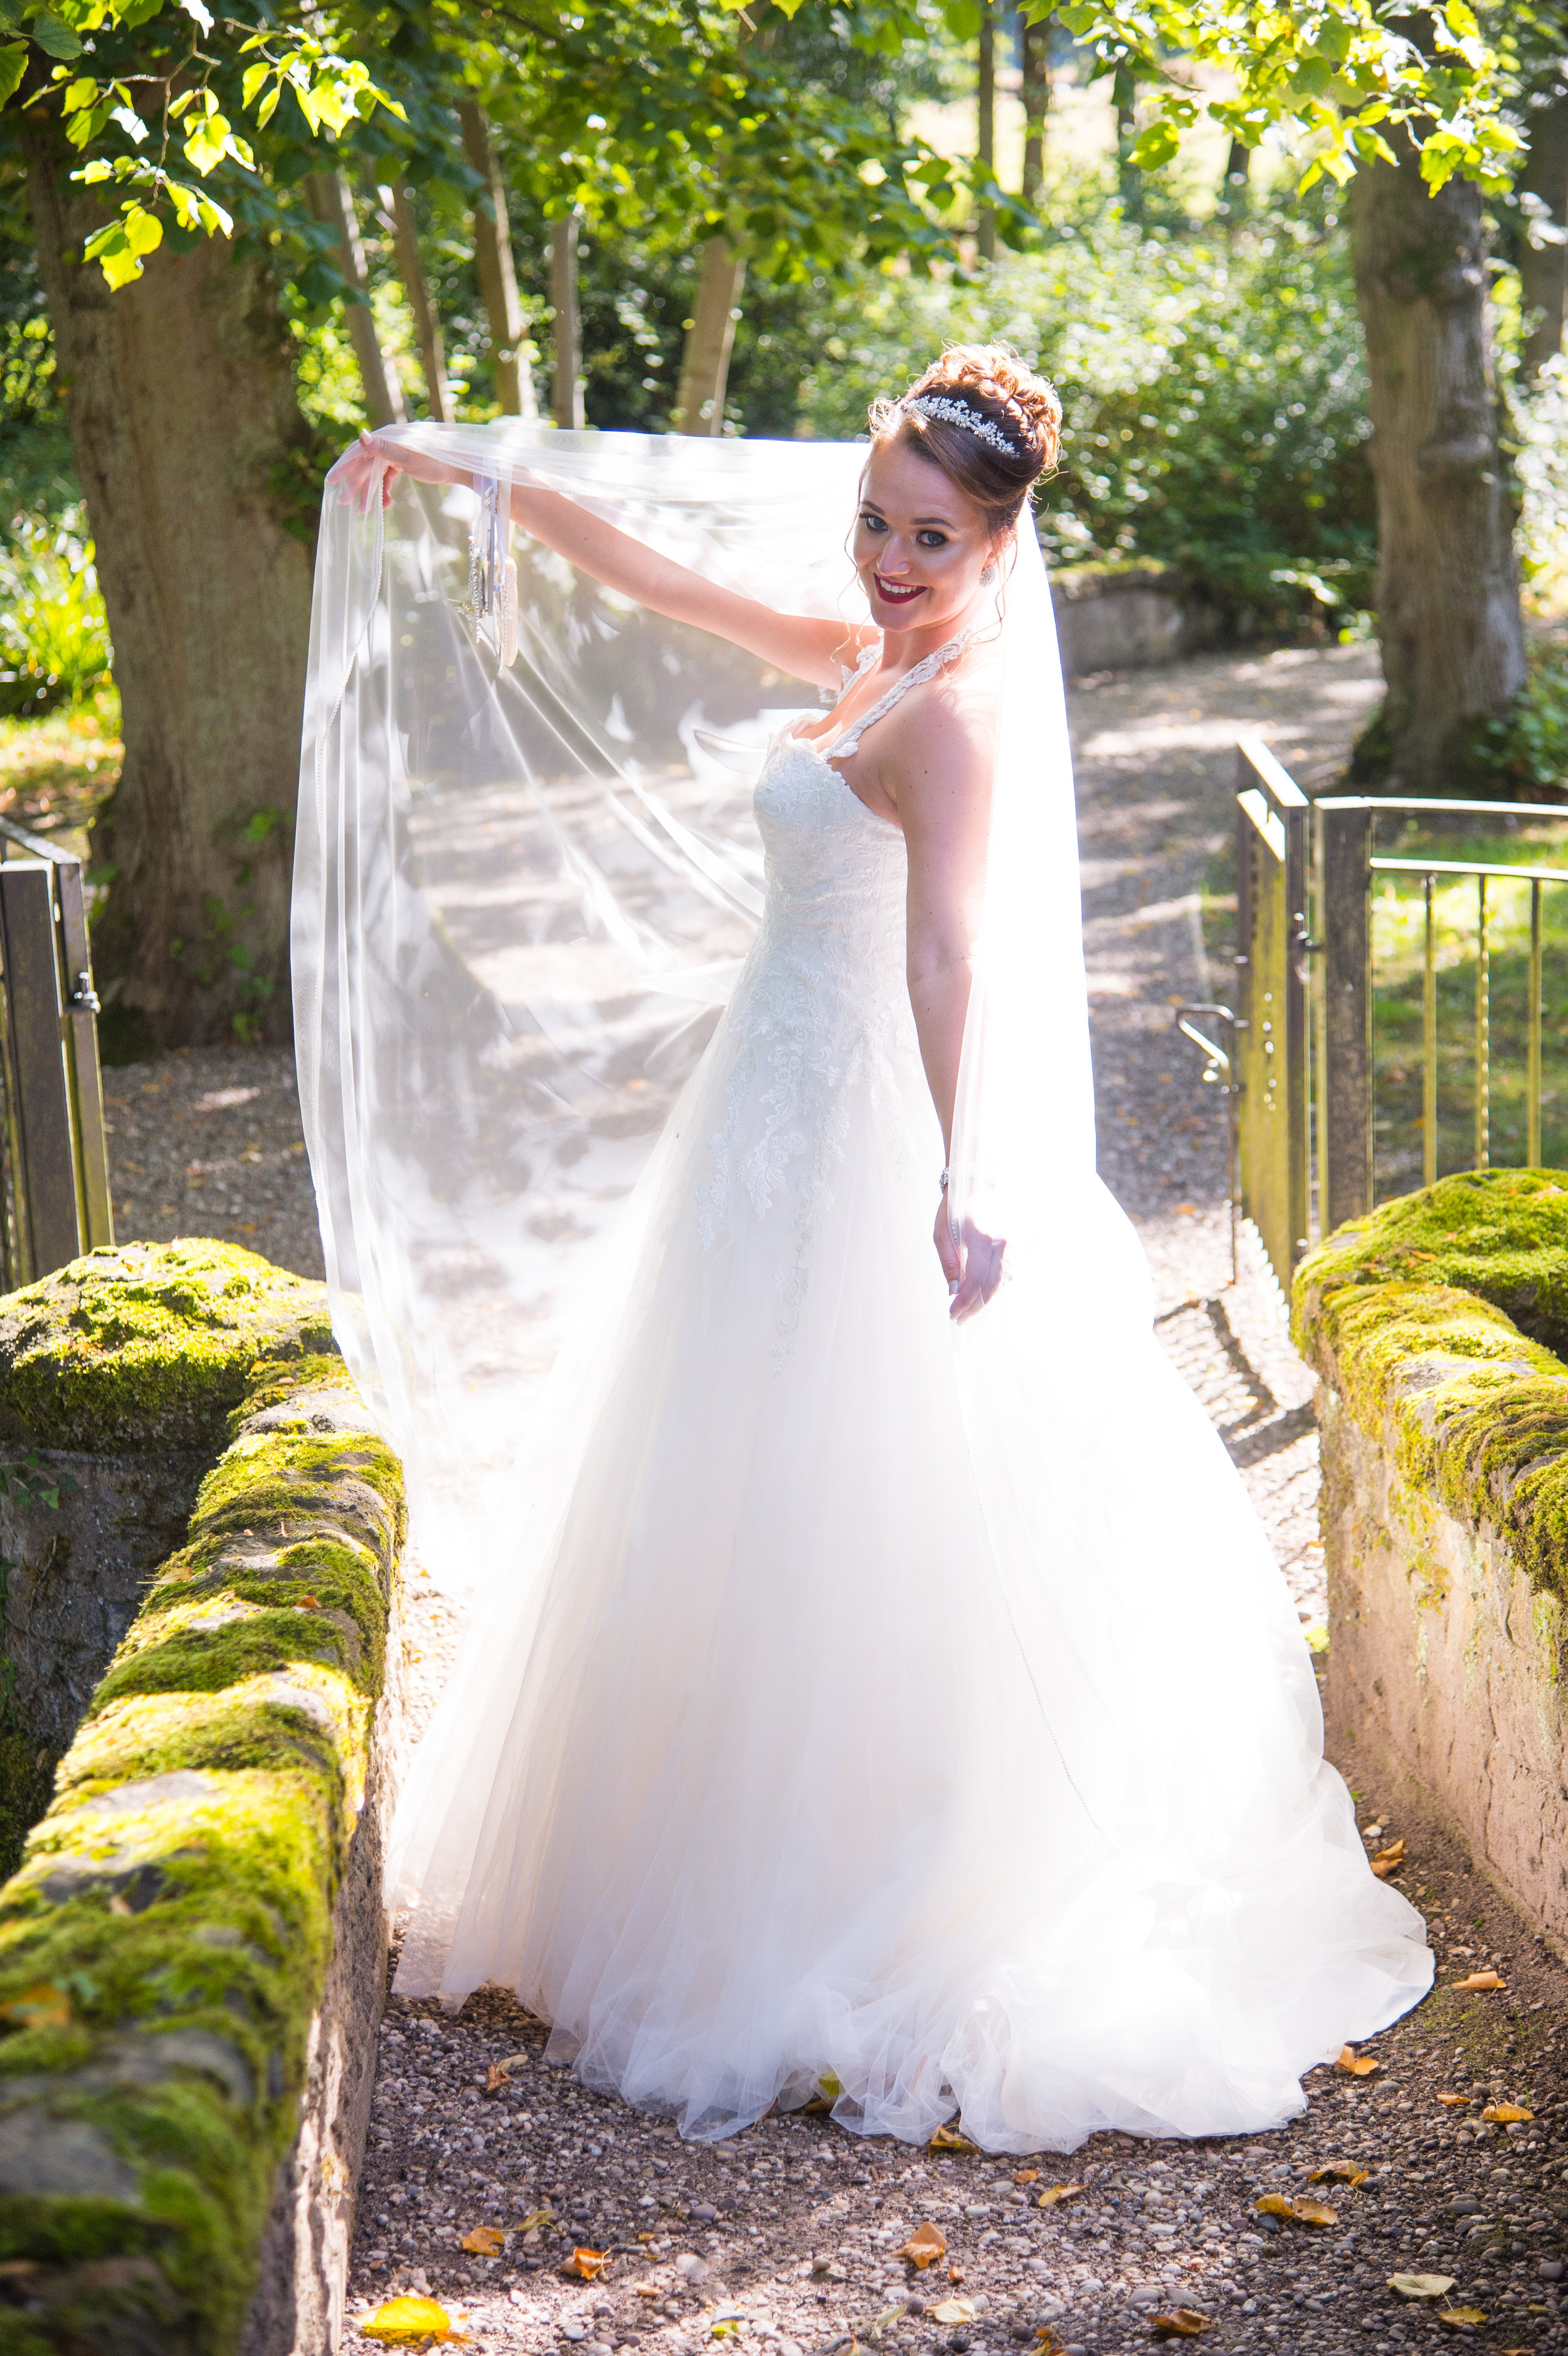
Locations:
375 458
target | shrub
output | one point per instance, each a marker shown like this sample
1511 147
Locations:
1214 393
54 637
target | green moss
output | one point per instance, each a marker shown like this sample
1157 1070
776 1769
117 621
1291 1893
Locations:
148 1344
1415 1315
174 1904
1501 1235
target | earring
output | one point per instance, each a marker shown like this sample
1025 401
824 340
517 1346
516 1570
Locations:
988 575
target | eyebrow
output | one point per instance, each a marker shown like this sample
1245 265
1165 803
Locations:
946 521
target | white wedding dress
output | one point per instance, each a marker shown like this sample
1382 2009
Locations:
911 1712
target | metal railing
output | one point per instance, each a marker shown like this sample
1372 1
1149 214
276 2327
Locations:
54 1163
1303 1028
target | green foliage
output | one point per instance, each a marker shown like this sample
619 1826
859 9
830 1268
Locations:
1522 756
54 635
1213 390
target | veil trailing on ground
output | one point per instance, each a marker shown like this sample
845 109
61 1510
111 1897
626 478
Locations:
526 870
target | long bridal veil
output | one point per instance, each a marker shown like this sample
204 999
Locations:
526 867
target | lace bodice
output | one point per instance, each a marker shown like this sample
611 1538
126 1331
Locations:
821 1006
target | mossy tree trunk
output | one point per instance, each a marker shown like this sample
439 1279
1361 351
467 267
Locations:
1447 594
198 474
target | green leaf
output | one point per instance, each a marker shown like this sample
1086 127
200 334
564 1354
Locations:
54 38
268 107
255 75
12 66
1153 147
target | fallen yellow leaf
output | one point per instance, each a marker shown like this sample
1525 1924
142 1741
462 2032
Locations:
829 2089
1314 2212
1481 1980
1507 2114
485 2242
1055 2192
1343 2171
1183 2323
1046 2342
403 2320
1274 2204
1027 2175
1388 1860
951 2310
589 2263
1457 2317
950 2139
645 2290
1421 2285
535 2216
925 2245
1452 2099
728 2330
1354 2064
956 2274
43 2007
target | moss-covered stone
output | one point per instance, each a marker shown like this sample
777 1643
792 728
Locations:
164 1945
1433 1319
145 1345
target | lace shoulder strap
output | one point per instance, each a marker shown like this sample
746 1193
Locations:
927 668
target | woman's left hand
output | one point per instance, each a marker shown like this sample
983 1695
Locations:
972 1265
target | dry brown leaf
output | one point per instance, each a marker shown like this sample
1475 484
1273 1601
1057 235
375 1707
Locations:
43 2007
1354 2064
1421 2285
647 2290
404 2320
1388 1860
485 2242
1055 2192
1507 2114
1343 2171
926 2244
1026 2176
950 2139
951 2310
1314 2212
1481 1980
1046 2340
1274 2204
954 2274
496 2078
589 2263
1183 2323
1456 2318
1452 2099
535 2216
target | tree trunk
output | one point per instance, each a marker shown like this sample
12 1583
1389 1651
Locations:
498 273
427 323
332 200
566 397
985 107
1235 187
1035 79
705 363
1129 179
197 469
1448 618
1543 268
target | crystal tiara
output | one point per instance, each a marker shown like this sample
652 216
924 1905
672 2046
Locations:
958 412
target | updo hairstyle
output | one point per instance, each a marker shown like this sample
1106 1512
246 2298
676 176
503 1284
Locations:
992 381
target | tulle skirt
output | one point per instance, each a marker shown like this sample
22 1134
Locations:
910 1712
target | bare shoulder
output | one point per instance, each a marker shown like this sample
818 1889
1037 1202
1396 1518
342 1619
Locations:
943 739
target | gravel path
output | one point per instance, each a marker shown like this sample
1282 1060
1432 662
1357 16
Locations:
788 2235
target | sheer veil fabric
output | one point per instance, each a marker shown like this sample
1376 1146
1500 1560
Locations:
846 1697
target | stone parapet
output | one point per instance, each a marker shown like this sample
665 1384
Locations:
193 1950
1434 1326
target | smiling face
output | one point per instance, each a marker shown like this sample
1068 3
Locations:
920 544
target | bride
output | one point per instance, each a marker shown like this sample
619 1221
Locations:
883 1686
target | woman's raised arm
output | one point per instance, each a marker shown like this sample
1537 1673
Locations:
808 646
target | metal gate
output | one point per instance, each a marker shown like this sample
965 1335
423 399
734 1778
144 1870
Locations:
1270 1018
54 1163
1303 1024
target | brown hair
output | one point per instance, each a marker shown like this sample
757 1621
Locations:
992 382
